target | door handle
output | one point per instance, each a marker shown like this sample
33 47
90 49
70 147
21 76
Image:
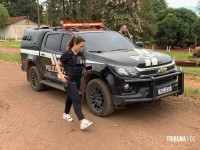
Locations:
42 54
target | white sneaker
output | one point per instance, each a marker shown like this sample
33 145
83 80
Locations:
85 124
67 117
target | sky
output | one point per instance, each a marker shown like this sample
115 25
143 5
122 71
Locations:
190 4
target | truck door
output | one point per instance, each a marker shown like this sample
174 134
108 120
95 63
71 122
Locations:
52 47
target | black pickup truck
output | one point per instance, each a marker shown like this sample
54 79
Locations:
119 73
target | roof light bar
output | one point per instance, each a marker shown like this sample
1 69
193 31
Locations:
82 24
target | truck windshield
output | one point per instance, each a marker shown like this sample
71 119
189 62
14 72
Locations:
106 41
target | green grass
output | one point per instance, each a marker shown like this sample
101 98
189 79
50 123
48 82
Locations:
10 57
179 55
12 44
192 92
192 70
197 59
192 77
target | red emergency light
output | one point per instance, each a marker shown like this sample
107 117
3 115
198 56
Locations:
82 24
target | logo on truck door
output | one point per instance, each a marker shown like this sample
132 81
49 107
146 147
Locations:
52 68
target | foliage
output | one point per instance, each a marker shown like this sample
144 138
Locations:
97 9
68 10
117 12
3 15
198 7
23 8
176 27
148 18
168 27
159 5
196 30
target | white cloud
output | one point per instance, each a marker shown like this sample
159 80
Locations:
181 3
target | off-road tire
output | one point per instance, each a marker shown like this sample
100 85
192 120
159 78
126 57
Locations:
97 95
34 78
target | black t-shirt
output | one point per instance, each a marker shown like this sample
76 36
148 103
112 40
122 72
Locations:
73 65
125 35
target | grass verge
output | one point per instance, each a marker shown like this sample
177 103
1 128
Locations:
10 57
192 70
192 92
179 55
12 44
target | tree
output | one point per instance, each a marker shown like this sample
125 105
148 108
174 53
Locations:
158 5
184 19
148 18
117 12
69 10
54 12
168 29
198 7
3 15
97 9
196 31
23 8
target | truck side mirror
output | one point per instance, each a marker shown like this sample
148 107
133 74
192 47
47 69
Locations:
139 44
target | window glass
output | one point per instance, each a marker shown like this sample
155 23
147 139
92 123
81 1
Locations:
65 40
53 42
106 41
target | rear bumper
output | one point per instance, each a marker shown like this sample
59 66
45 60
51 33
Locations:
150 93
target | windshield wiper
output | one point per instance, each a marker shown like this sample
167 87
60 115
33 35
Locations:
122 49
96 51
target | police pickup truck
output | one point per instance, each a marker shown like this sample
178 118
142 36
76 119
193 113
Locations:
119 73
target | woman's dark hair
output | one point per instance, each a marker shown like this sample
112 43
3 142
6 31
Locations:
75 40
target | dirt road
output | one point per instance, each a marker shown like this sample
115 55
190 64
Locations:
32 121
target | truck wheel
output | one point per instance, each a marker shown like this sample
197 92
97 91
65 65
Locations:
34 78
98 98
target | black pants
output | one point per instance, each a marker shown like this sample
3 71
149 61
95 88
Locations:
73 98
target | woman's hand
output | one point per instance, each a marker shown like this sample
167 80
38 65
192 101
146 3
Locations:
63 78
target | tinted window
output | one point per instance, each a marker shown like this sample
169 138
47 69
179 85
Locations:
65 40
53 42
106 41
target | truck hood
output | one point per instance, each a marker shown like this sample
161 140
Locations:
140 58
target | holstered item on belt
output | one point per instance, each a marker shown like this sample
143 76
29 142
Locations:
66 84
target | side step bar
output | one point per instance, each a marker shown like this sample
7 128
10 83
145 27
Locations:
55 85
52 84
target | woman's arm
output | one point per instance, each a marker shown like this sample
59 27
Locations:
62 76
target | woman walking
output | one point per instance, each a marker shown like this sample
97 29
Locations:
73 62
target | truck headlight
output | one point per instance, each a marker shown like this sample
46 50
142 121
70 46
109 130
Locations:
126 71
175 67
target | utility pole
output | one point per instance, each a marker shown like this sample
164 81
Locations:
38 12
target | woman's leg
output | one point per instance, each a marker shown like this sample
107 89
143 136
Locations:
73 94
68 104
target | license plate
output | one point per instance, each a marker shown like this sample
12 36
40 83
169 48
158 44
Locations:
164 90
